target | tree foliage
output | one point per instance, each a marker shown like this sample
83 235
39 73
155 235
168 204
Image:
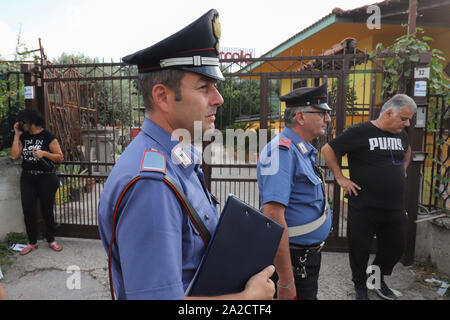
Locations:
398 67
350 97
242 99
12 99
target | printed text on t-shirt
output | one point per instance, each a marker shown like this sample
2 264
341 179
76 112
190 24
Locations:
385 143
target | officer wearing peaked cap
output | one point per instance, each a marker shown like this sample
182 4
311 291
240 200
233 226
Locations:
315 97
292 192
155 212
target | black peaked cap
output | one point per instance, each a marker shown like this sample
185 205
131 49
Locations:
195 48
316 97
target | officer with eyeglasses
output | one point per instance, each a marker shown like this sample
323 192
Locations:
378 154
292 192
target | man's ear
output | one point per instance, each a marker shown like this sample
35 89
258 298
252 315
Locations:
389 112
162 96
299 117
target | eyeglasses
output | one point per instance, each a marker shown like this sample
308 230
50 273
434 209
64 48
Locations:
324 113
398 163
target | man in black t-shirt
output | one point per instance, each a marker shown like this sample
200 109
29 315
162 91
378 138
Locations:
378 155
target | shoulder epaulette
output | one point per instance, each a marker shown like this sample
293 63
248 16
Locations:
154 161
285 143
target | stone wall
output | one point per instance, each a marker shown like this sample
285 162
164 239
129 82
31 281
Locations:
433 243
11 216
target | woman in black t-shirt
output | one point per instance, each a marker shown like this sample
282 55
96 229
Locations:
39 149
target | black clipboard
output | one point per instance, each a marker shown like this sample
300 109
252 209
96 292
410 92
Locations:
244 243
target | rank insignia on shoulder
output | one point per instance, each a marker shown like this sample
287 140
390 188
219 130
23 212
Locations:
153 161
285 142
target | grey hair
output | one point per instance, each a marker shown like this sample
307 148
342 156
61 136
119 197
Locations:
290 113
169 77
398 102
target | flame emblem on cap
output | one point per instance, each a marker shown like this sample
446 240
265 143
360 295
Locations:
217 30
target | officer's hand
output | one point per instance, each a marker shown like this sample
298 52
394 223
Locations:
350 188
259 286
287 293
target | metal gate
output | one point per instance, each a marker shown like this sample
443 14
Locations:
345 73
95 110
435 177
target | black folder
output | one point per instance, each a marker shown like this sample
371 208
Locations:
243 244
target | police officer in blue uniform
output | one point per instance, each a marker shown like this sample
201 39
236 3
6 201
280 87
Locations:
292 192
155 211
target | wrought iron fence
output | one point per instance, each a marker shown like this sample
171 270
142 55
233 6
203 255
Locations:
435 170
95 109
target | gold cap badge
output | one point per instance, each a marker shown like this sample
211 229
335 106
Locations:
217 30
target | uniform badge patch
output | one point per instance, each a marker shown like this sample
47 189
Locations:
153 161
285 142
302 147
179 156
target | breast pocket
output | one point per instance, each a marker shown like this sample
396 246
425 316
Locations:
307 189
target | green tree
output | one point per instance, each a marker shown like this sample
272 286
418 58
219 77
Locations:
399 62
350 97
12 99
241 98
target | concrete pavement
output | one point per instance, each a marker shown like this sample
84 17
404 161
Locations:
48 275
79 272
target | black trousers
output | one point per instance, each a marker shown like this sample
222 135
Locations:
306 287
390 228
32 188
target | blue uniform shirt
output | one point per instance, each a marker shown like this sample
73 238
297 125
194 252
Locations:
157 248
286 175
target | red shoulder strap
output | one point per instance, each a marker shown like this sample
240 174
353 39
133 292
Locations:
185 203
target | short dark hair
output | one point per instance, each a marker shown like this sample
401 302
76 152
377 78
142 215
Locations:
32 116
169 77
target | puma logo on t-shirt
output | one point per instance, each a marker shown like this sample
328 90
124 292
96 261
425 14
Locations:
385 143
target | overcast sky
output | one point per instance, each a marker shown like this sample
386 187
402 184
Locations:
111 29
